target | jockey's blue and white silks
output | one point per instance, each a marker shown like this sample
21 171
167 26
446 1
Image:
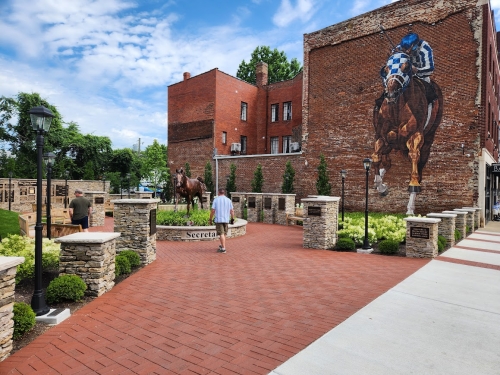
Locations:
422 58
394 64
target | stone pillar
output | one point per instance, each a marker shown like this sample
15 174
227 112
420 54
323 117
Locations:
238 200
8 269
135 219
286 205
254 207
421 237
478 216
269 208
90 255
206 200
97 198
471 213
320 222
460 222
140 195
446 226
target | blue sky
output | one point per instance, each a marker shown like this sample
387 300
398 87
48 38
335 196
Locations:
106 64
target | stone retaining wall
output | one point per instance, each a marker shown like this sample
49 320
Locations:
193 233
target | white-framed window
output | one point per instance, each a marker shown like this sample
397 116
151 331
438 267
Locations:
287 144
244 109
287 111
243 142
275 108
274 145
224 138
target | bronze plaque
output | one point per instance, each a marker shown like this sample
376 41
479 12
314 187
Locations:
152 222
281 203
251 202
267 203
27 183
313 211
235 199
99 200
31 191
419 232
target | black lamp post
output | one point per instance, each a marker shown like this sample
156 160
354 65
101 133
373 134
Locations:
103 183
121 187
49 158
343 173
128 184
10 188
66 173
41 118
367 163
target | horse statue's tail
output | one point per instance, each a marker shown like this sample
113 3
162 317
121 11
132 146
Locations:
202 182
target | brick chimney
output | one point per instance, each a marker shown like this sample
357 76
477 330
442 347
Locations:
187 75
261 72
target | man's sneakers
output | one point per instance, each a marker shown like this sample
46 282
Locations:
221 249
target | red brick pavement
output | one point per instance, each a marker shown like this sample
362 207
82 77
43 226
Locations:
196 311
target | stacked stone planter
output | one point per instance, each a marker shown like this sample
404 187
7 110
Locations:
421 237
90 255
135 219
460 222
320 222
446 226
8 269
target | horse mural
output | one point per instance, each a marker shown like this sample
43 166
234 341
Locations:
405 121
188 188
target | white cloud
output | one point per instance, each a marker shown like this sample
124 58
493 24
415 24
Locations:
287 13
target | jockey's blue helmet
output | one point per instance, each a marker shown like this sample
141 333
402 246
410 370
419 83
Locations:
409 42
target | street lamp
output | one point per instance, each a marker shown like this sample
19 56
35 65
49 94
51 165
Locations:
66 173
49 158
41 118
104 183
128 184
121 187
10 188
367 163
343 173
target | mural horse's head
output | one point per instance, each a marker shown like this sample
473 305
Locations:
404 121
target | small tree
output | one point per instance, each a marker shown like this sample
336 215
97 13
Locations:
187 169
258 180
323 186
209 182
231 181
287 187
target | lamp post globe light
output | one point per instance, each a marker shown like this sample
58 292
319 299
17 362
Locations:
66 174
10 188
41 118
49 159
343 173
367 163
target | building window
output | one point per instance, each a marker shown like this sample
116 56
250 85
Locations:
224 138
244 107
287 111
274 145
243 142
274 112
287 144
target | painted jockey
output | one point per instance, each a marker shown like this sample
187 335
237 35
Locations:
421 55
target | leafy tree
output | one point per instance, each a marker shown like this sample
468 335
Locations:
231 181
123 161
322 185
154 166
258 180
209 182
187 169
279 68
288 176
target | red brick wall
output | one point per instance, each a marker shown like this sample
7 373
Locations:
196 153
341 82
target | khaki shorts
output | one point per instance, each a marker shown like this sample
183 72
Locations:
221 228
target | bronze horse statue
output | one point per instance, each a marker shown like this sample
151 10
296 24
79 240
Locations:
188 188
405 121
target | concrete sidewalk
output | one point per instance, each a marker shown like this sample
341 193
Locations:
443 319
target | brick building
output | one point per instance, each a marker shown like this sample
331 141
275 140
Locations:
339 85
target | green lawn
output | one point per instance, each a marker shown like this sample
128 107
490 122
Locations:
9 223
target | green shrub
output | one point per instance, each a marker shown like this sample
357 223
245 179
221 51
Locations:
133 258
24 319
388 247
458 235
122 265
441 243
66 288
345 243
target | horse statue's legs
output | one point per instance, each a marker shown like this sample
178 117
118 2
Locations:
414 144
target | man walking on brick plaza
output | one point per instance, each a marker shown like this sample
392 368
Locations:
80 209
222 208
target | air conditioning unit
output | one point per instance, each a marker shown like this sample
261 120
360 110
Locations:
295 146
235 147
